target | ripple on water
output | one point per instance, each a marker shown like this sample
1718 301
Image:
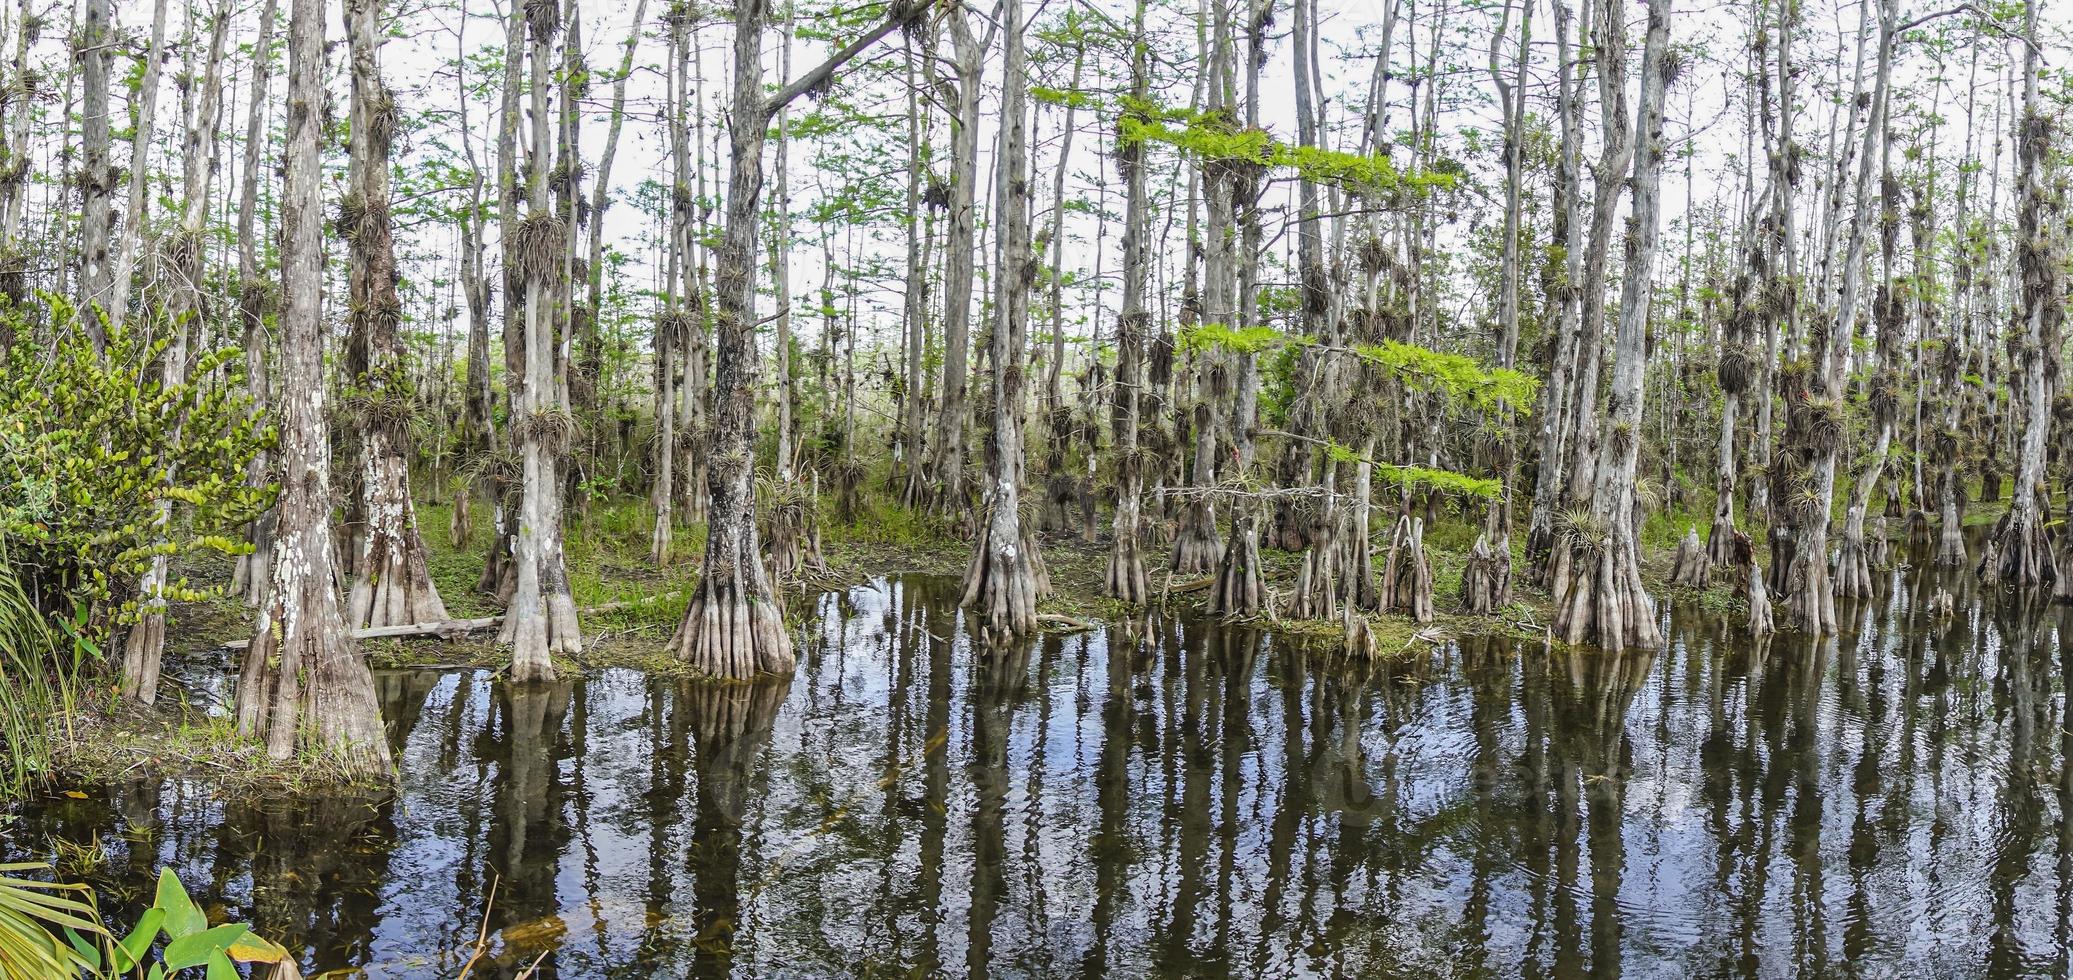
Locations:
1185 800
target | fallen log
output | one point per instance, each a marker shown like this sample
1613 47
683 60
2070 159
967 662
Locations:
447 629
1061 619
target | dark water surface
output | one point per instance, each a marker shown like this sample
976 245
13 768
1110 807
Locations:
1197 801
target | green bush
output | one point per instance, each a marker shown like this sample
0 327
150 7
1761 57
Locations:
94 440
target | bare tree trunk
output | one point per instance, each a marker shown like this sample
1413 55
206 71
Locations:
1855 557
733 627
392 583
1808 595
132 241
693 437
144 647
499 567
541 620
675 325
2021 547
1125 579
254 295
914 312
304 686
1001 584
97 170
1601 597
15 121
1550 488
958 252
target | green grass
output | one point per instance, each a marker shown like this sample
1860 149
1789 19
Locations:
38 671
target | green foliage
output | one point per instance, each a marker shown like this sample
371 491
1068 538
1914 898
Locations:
1457 377
94 443
35 914
1446 481
36 690
1210 136
1223 336
1063 98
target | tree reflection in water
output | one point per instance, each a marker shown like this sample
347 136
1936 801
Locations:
1177 797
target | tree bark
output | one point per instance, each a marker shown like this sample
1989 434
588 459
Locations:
97 170
144 647
1001 586
733 627
1125 579
958 251
132 241
304 686
254 294
1601 597
541 620
392 582
2023 551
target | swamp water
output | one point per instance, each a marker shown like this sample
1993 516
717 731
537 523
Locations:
1195 801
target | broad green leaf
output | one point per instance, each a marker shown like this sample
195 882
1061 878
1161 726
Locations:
221 968
196 948
182 917
255 948
130 952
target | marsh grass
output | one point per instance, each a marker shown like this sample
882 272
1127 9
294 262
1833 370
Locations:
38 686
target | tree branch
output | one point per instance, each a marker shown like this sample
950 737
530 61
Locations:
900 13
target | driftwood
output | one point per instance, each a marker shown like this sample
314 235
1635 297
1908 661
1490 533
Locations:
448 629
1060 619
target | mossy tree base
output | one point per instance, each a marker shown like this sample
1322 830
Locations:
732 631
1239 589
1600 600
1196 550
1486 581
2019 554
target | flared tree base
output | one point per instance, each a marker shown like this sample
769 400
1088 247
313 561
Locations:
1239 590
1853 562
1720 542
1004 581
2019 554
729 633
537 633
1357 640
1807 597
1125 581
1486 581
1600 600
1760 623
393 587
1316 591
1692 566
1196 550
1406 587
306 690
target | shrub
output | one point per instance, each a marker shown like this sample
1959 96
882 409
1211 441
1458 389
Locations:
95 441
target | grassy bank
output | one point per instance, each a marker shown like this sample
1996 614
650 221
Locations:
607 548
